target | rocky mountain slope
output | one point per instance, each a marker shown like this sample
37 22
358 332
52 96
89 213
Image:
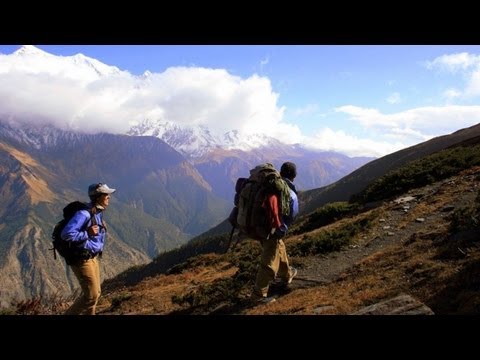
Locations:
161 200
221 168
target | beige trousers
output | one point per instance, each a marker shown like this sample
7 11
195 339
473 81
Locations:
88 275
273 262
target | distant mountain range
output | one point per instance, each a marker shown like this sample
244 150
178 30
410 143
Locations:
161 201
195 141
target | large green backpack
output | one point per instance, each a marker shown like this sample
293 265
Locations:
252 209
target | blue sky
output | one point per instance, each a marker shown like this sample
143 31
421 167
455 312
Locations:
359 100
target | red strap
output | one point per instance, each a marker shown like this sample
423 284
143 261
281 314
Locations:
272 211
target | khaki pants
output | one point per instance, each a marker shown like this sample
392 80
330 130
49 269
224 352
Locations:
273 262
88 275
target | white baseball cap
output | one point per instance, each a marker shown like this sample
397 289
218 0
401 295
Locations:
99 188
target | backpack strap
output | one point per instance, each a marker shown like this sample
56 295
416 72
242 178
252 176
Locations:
93 212
272 206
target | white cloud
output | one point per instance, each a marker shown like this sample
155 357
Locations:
428 119
473 85
308 109
83 94
366 117
394 98
468 64
415 125
265 61
401 134
339 141
454 62
452 94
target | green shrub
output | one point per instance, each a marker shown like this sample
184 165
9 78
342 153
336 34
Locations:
329 241
419 173
325 215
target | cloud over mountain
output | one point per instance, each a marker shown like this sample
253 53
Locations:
81 93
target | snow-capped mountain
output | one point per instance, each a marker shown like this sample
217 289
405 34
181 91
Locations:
92 98
197 141
32 60
38 137
81 94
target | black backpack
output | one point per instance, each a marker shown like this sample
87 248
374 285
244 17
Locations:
68 249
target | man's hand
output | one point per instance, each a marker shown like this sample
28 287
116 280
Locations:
280 232
93 230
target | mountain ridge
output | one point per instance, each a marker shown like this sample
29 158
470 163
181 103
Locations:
360 178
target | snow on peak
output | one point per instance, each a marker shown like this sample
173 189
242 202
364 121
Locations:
197 140
32 60
28 50
100 68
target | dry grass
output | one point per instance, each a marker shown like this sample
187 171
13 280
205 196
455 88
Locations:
398 269
154 295
38 189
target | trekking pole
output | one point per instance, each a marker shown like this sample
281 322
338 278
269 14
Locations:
236 242
230 240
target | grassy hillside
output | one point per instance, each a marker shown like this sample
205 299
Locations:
358 180
421 172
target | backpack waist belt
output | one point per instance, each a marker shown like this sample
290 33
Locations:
91 255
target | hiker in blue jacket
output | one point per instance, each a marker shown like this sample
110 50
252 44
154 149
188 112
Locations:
288 172
274 259
87 230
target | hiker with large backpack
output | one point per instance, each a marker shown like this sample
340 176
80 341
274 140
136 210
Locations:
264 207
86 233
274 259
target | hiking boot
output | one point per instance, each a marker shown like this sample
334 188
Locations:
262 299
267 300
283 283
294 272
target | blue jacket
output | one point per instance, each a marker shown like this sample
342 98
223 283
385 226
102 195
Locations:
293 208
287 220
76 231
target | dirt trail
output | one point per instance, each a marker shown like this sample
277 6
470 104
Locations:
433 204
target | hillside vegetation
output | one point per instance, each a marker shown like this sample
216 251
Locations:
420 173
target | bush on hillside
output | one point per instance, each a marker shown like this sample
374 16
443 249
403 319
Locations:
419 173
332 240
325 215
